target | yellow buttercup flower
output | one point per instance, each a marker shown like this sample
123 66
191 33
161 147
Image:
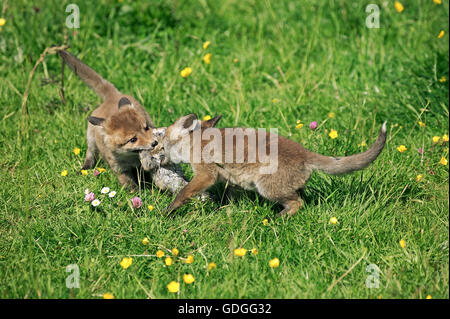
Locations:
212 266
401 148
402 243
186 72
150 207
299 125
189 259
84 172
428 297
254 251
331 115
188 278
419 178
265 221
168 261
445 138
274 263
240 252
443 161
236 60
422 124
126 262
437 1
333 220
159 254
333 134
2 22
398 6
206 117
145 241
173 286
436 139
108 296
64 173
206 45
441 34
76 151
101 169
175 252
363 144
443 79
207 58
275 101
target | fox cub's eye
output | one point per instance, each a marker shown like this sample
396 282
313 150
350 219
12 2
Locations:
154 143
146 128
134 139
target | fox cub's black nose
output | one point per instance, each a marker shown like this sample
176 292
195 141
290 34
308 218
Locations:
154 144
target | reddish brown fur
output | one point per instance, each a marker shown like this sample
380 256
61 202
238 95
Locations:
111 127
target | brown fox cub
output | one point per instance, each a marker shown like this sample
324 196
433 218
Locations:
169 176
118 129
292 162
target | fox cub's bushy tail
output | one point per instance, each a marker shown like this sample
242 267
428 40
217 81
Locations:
347 164
102 87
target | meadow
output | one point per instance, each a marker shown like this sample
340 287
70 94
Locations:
379 233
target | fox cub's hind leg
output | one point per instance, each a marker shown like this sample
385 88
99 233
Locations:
92 150
290 201
291 205
280 192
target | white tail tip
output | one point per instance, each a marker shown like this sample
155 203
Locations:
383 128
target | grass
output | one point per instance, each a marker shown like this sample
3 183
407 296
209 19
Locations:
314 57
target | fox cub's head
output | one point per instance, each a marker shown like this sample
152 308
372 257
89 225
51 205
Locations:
126 130
179 133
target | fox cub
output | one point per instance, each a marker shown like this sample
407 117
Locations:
294 163
118 129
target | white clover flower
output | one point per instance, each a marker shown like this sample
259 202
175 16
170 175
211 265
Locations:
86 191
112 194
105 190
95 202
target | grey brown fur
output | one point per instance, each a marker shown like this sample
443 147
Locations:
295 166
169 177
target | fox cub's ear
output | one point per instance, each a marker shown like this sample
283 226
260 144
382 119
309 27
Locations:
183 126
189 122
124 101
96 120
212 122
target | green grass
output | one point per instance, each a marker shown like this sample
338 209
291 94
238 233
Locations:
315 57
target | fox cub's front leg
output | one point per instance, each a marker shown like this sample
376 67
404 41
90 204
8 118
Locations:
92 150
126 179
198 184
